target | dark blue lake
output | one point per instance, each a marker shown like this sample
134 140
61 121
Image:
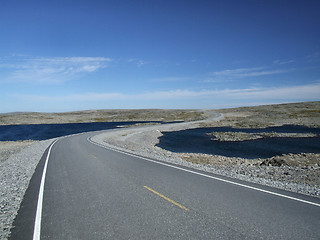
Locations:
197 141
46 131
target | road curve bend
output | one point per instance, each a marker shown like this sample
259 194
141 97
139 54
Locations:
94 192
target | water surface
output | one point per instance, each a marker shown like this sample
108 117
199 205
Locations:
47 131
197 141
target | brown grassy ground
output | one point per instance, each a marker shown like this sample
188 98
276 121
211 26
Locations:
102 116
305 113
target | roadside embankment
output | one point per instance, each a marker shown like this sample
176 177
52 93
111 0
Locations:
18 163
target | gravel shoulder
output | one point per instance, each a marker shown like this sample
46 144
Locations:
18 163
9 148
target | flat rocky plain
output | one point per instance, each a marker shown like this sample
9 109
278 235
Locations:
101 116
293 172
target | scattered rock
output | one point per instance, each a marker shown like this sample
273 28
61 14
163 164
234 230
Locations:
273 162
244 136
233 136
16 171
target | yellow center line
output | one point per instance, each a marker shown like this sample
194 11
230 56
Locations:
166 198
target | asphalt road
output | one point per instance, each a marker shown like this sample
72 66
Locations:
91 192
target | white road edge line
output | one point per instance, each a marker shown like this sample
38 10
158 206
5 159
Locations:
37 222
205 175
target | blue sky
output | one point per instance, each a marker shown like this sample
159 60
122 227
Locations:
74 55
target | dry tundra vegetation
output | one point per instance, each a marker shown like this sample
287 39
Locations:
301 168
102 116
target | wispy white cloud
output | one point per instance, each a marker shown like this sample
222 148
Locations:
233 74
279 62
137 62
230 96
314 57
225 75
298 93
85 97
215 80
170 79
51 70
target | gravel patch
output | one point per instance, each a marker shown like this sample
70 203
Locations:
243 136
7 148
18 163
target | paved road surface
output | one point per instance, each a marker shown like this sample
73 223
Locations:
91 192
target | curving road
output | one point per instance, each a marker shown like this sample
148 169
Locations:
92 192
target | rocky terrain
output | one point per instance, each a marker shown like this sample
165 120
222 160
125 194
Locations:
9 148
102 116
293 172
243 136
306 114
18 163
